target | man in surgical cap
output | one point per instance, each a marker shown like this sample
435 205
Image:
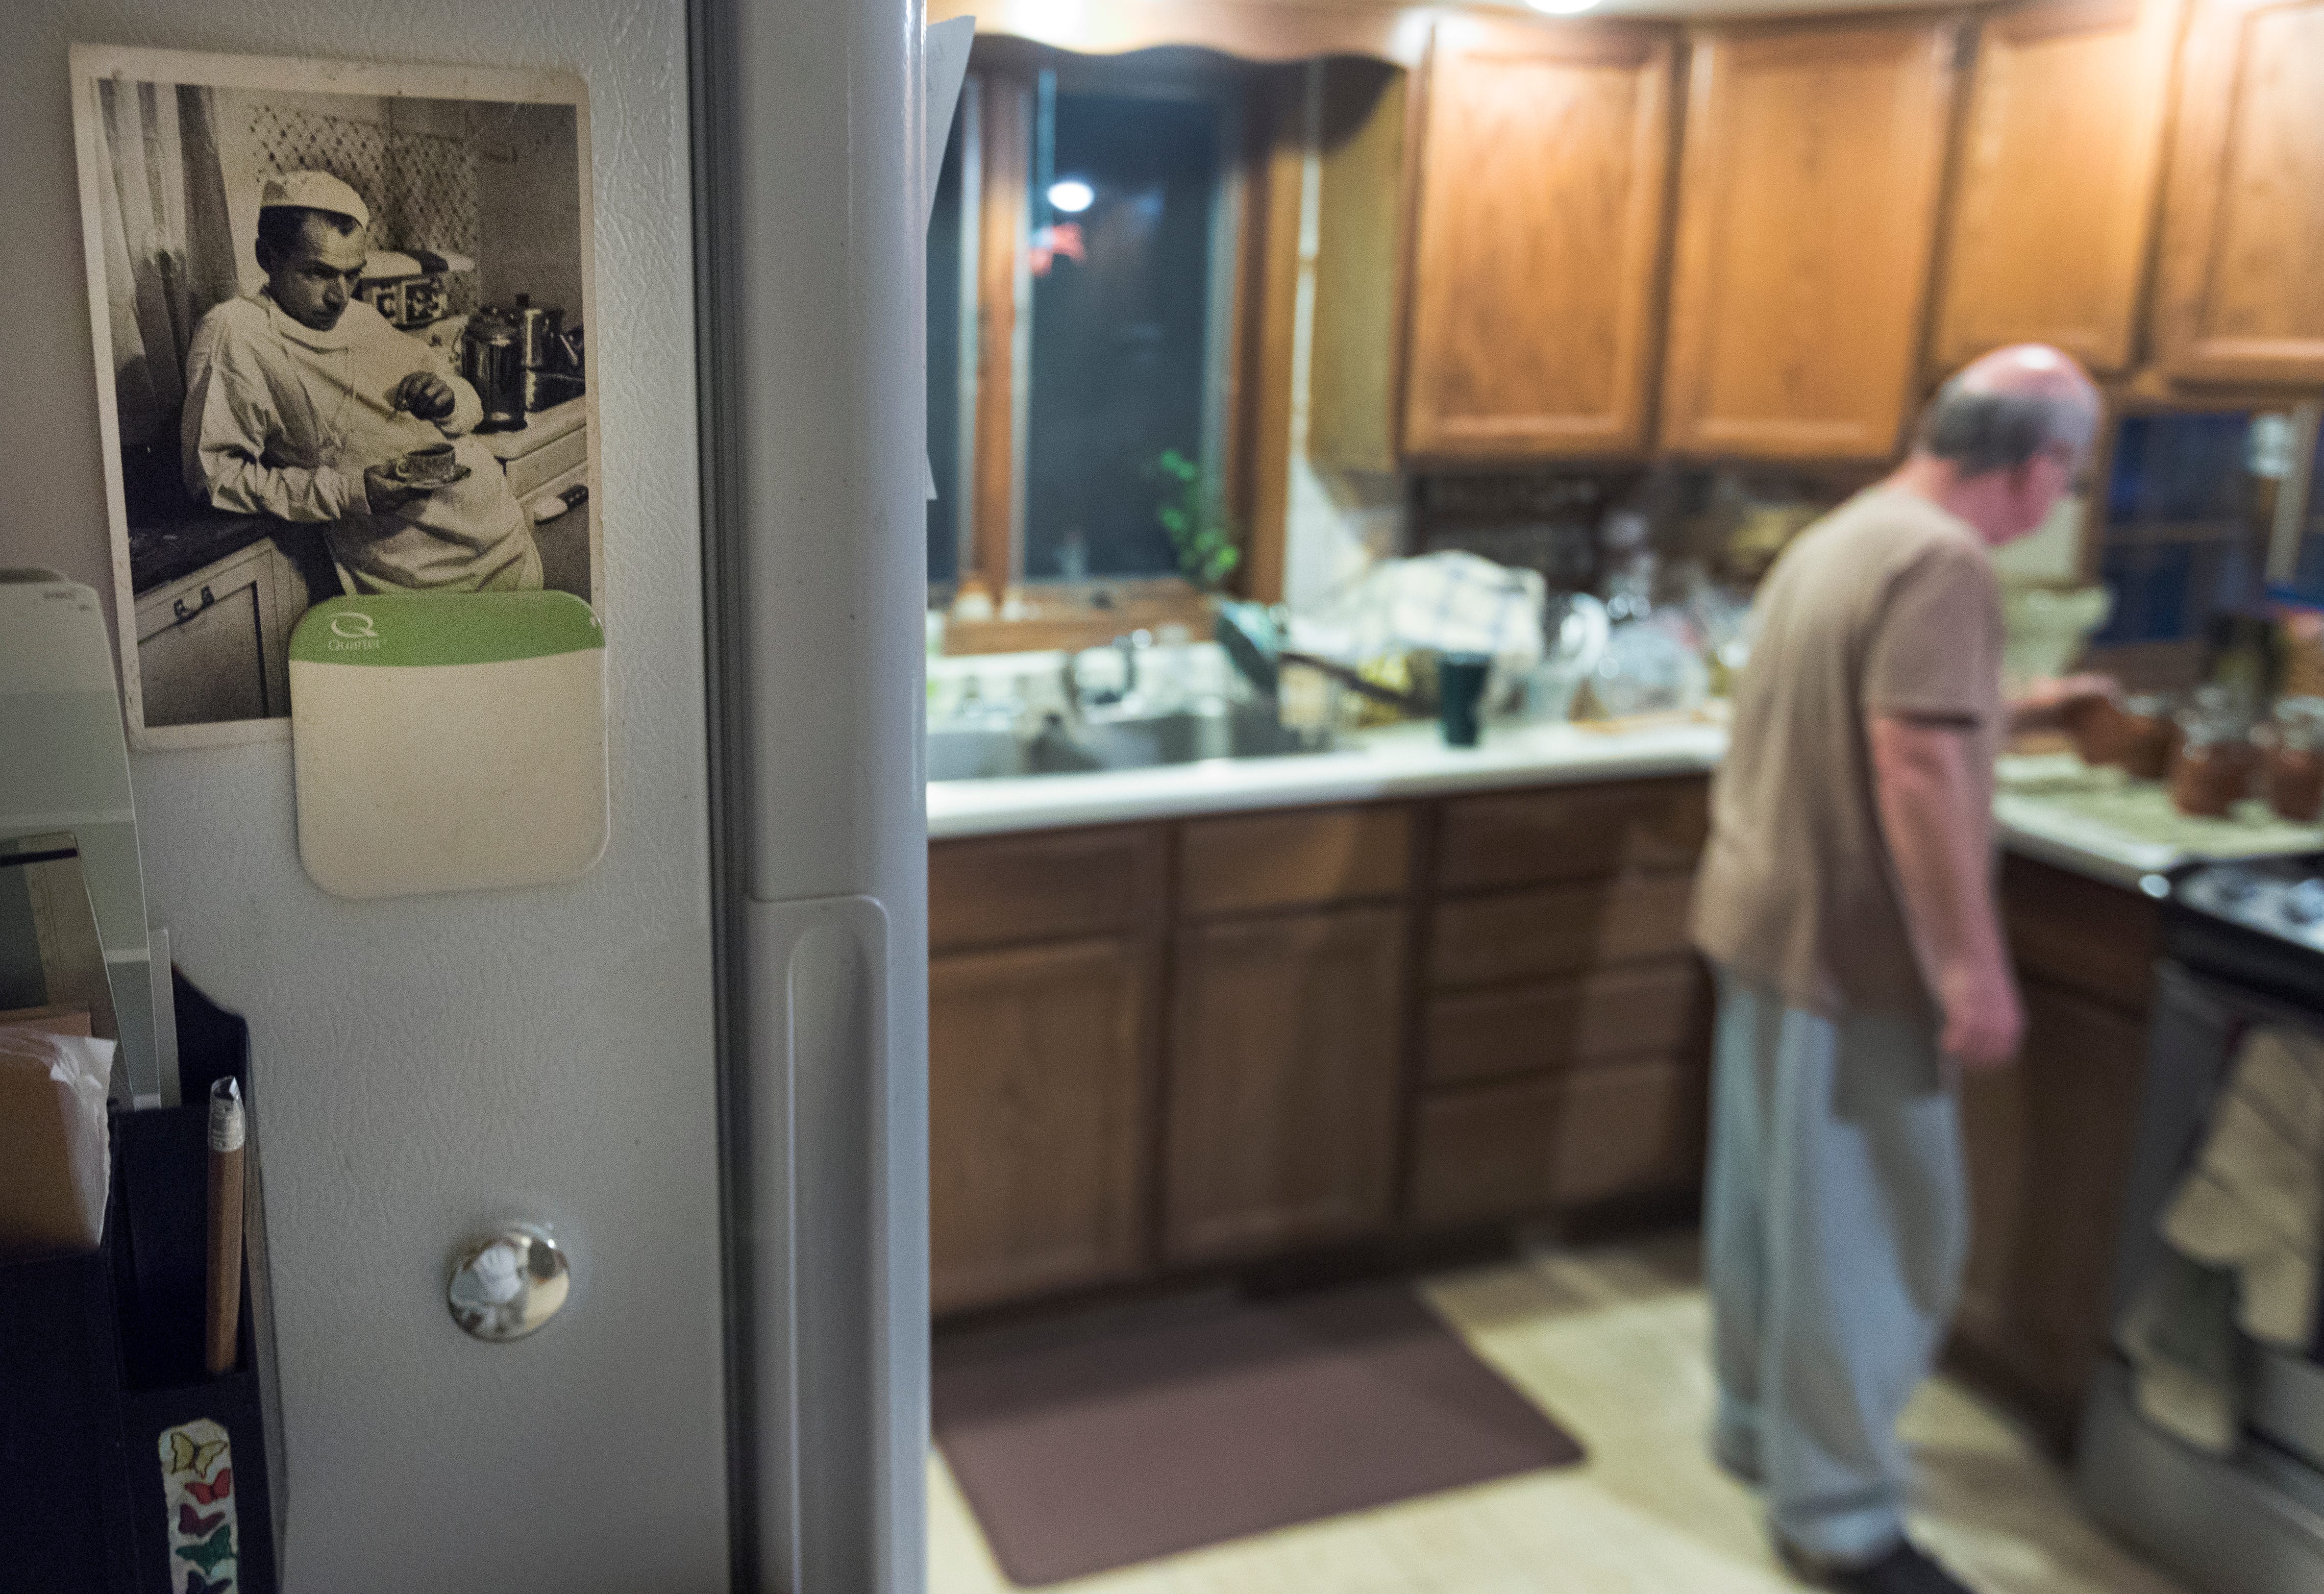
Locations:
301 398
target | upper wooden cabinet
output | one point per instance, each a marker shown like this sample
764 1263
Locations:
1510 297
2240 293
2053 207
1807 208
1539 187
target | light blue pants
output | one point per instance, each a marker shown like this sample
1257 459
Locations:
1835 1230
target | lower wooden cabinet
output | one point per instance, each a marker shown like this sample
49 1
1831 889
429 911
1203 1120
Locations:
1561 930
1280 1126
1039 1085
1659 1007
2049 1144
1625 1128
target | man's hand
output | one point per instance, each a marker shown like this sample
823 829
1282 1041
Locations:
1984 1022
384 491
2060 697
425 394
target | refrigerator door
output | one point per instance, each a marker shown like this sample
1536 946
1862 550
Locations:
810 143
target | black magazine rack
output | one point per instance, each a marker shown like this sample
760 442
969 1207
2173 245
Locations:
110 1432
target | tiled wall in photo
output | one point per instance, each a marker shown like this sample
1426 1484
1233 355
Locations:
422 186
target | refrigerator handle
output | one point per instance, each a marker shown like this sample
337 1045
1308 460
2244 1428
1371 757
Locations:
818 1131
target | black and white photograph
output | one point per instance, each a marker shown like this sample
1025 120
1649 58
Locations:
341 319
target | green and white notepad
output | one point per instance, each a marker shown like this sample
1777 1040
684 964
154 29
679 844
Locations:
448 742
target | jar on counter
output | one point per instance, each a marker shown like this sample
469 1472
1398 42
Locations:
2296 760
2134 735
2213 767
2147 735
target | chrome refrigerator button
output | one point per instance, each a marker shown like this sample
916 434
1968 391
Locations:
507 1283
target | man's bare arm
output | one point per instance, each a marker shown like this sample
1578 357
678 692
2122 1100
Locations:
1929 802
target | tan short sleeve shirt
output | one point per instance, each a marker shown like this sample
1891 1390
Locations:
1888 607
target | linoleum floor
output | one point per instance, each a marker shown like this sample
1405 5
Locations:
1610 1340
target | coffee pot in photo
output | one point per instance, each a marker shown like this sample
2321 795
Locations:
491 357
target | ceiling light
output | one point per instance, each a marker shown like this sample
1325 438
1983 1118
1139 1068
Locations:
1073 196
1563 8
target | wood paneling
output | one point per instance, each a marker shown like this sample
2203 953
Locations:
1305 857
2076 933
1352 358
1573 832
1543 172
1561 930
1281 1117
2048 1146
1813 155
1269 296
2054 208
1657 1008
1007 117
1050 885
1502 1150
2240 294
1038 1090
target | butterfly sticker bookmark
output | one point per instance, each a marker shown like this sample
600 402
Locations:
197 1496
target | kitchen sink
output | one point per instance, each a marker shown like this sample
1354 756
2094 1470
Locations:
1114 742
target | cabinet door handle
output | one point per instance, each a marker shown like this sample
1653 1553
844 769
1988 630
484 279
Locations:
177 605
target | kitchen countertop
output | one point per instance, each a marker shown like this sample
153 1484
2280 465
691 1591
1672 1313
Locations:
167 550
1413 761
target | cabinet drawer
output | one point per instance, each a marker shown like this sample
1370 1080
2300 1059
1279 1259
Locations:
2049 913
1565 930
1573 832
1497 1151
1657 1008
997 891
1258 861
528 472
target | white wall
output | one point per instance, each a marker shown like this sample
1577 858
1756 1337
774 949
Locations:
429 1064
1336 524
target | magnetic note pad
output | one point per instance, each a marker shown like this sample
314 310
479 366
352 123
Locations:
449 741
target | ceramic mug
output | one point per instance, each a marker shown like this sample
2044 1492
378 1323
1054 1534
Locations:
429 466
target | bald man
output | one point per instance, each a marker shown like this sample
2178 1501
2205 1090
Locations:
1847 900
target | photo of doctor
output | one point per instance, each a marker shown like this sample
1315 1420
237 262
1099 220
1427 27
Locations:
303 403
340 315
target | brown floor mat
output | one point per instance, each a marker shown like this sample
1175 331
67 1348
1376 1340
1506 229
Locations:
1098 1444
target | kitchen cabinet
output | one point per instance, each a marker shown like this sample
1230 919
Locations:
1491 246
214 645
1176 1046
1044 976
1245 863
1539 186
1565 1039
1807 216
1625 1129
1282 1099
2053 210
1038 1096
2238 297
2048 1141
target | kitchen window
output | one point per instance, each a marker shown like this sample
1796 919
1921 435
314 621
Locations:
2205 513
1084 275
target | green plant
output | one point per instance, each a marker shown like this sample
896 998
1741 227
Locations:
1208 541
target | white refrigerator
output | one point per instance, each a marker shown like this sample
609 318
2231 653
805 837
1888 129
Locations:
702 1066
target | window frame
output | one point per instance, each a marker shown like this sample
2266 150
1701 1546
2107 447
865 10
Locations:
1246 433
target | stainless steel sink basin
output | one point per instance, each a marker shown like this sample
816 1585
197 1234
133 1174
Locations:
1114 742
